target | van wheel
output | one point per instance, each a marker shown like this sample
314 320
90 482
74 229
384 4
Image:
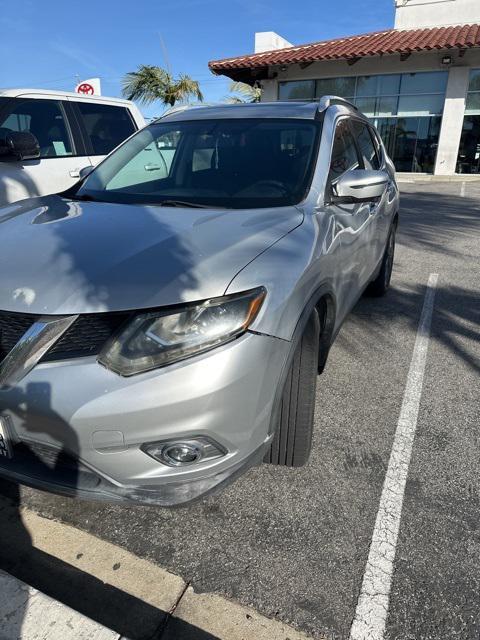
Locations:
381 284
292 442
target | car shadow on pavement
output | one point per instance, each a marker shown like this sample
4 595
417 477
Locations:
429 221
115 609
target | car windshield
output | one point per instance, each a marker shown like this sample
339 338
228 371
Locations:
231 163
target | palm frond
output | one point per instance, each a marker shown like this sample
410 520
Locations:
245 92
150 83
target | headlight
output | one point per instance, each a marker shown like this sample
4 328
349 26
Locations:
155 339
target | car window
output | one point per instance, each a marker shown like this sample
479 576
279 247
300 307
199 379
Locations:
344 151
106 125
150 164
377 142
229 163
365 143
45 120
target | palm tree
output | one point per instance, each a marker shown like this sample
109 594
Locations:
150 83
245 93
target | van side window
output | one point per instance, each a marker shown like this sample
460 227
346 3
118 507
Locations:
106 125
365 143
344 152
45 120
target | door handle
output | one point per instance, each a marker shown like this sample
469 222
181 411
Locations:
152 167
75 173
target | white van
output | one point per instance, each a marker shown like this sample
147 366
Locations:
48 137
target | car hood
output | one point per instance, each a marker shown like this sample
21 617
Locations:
61 256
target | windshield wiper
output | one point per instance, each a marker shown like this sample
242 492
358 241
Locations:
83 198
181 203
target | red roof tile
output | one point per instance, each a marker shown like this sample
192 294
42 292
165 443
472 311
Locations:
370 44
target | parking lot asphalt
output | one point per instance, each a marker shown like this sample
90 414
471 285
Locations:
294 543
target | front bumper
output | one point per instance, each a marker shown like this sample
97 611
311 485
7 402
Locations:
77 428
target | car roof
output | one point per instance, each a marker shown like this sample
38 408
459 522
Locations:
15 93
293 109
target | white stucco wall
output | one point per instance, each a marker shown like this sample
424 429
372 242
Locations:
452 123
269 40
415 14
431 61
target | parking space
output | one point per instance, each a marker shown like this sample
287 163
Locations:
294 543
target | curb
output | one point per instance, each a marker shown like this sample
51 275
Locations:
174 610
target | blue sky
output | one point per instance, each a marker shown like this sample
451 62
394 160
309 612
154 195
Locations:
47 43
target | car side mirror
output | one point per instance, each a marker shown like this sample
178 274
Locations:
20 145
359 185
85 171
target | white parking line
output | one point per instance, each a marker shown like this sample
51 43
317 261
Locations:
463 189
372 607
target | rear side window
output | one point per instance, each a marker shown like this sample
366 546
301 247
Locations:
45 119
106 126
365 143
344 152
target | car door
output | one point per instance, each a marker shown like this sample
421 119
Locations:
104 126
59 164
371 160
354 222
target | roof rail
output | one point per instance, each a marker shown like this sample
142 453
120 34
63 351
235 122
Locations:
329 101
185 107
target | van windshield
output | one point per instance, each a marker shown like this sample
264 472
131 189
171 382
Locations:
230 163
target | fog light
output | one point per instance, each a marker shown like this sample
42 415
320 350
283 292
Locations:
181 453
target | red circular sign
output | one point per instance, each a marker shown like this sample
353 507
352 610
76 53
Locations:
85 88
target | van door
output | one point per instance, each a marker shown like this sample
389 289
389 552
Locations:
104 126
57 168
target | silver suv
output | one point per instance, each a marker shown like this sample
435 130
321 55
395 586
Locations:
163 323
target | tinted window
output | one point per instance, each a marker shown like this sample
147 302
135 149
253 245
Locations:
365 144
241 163
298 90
344 152
43 118
107 126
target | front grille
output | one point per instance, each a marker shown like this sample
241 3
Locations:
50 465
12 328
85 337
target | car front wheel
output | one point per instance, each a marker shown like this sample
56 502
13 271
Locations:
292 442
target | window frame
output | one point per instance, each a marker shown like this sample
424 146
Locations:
373 139
330 181
73 139
83 129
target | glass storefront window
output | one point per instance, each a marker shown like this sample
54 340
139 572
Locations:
408 108
420 105
367 86
411 142
387 106
299 90
389 85
432 82
367 106
469 153
473 104
343 87
474 80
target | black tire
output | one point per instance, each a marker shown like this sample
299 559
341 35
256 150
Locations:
292 442
381 284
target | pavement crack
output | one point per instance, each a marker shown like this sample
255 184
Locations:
170 613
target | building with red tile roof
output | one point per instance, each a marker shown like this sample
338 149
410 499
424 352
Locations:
421 86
